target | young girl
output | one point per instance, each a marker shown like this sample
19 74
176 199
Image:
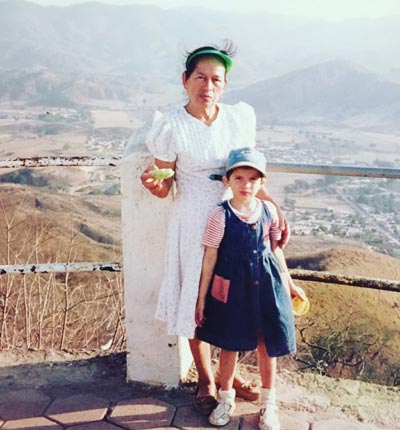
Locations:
245 288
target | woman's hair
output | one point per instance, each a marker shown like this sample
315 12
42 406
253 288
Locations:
192 59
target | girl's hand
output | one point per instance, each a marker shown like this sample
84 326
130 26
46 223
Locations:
296 291
199 314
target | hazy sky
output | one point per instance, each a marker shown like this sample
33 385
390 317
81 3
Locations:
328 9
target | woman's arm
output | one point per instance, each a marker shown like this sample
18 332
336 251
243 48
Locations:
207 271
283 224
158 187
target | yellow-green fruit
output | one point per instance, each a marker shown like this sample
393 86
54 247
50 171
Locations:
300 307
162 173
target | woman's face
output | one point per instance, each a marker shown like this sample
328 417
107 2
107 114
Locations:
206 83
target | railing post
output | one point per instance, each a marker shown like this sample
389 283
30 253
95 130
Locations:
152 355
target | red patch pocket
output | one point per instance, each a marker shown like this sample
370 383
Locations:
220 288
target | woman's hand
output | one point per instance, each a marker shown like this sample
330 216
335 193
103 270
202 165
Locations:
283 224
285 230
157 187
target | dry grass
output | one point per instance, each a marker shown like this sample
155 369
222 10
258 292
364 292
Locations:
59 311
349 332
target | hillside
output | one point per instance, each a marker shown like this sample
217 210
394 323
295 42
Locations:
349 332
60 226
367 317
349 260
59 311
334 91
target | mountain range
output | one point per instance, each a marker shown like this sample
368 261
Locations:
336 91
146 39
286 67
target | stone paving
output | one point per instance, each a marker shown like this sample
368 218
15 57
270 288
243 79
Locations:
109 403
144 408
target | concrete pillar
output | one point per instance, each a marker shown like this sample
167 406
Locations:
153 356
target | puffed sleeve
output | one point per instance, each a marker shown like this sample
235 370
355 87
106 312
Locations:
160 138
156 136
136 142
248 119
243 119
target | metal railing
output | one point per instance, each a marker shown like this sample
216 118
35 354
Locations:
59 161
315 276
24 269
312 169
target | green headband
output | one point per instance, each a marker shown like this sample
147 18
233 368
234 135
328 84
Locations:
227 60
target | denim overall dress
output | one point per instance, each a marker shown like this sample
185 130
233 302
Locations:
246 297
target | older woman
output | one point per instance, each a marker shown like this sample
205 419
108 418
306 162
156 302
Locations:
194 140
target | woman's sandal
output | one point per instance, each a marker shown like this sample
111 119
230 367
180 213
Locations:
204 405
246 390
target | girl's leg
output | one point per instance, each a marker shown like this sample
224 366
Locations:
269 419
267 366
221 415
227 367
202 359
244 388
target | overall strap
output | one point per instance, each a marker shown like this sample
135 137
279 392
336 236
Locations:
266 212
229 214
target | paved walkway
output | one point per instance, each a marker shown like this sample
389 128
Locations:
34 409
104 401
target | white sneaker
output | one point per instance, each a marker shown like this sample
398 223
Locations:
269 419
221 415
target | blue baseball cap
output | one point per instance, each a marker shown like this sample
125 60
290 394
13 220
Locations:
248 157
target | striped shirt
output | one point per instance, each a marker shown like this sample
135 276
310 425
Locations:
216 223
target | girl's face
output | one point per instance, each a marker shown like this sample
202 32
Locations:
245 182
207 82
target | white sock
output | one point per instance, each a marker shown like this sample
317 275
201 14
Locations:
267 397
227 394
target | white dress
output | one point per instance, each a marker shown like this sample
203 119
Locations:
198 150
